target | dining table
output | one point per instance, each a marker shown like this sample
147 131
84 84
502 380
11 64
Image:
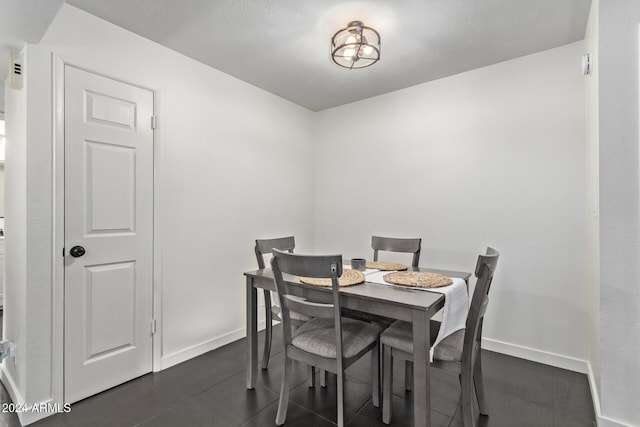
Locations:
408 304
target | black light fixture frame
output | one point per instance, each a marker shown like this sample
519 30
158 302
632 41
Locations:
356 28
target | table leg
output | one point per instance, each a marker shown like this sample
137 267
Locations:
421 381
252 334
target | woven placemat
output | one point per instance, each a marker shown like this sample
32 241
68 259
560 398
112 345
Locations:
418 279
349 278
386 266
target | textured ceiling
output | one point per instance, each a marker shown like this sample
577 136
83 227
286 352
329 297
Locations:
282 46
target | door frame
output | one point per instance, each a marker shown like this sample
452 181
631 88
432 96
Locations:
58 65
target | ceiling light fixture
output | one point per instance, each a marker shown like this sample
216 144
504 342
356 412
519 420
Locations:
356 46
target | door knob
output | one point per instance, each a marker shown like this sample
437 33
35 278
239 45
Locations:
77 251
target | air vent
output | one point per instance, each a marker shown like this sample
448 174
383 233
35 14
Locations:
586 65
17 71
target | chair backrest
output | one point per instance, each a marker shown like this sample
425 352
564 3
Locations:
392 244
485 268
266 246
313 266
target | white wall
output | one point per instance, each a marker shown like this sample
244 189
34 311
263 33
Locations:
2 145
36 352
593 197
619 211
494 156
1 189
14 314
229 156
27 306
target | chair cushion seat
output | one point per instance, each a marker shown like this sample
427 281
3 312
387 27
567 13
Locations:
318 336
450 348
400 335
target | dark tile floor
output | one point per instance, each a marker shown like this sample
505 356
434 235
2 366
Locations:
209 390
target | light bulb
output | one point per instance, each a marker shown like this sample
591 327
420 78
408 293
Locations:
349 53
367 50
350 39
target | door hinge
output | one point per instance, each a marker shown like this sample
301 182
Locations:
153 326
154 122
62 252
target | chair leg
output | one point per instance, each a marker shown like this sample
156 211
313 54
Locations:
408 375
375 375
323 378
311 376
340 415
268 329
466 384
387 383
479 384
284 392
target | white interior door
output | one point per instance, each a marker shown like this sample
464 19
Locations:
108 233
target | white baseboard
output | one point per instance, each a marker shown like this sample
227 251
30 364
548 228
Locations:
198 349
602 420
32 412
595 396
553 359
36 414
609 422
10 384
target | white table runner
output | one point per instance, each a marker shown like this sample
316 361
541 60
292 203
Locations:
456 303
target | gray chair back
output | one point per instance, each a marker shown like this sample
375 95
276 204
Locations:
485 268
266 246
392 244
313 266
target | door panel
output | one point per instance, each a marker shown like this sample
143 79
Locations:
109 289
109 212
109 111
110 175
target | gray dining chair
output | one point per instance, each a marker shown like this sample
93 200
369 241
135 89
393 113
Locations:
403 245
393 244
329 340
388 244
460 352
272 311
